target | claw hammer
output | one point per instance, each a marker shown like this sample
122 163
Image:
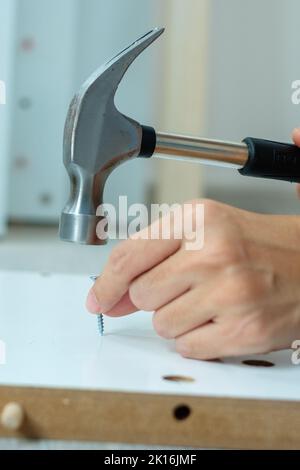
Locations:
98 138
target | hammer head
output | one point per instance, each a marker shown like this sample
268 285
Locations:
97 139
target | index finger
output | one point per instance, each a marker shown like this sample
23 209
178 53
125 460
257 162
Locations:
127 261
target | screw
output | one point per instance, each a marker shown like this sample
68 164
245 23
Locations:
100 319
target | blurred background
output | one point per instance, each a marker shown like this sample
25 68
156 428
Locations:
223 69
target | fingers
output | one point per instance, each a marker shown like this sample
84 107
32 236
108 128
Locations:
206 342
233 335
163 283
130 259
187 312
210 341
156 287
170 279
123 307
127 261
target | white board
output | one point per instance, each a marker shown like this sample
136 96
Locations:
52 342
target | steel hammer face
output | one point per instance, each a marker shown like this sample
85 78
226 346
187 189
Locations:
97 139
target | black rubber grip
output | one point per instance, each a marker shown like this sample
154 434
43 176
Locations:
275 160
148 142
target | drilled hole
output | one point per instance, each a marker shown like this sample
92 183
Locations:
178 378
182 412
258 363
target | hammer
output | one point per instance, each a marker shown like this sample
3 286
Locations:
98 138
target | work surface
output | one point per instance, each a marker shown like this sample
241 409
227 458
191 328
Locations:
52 342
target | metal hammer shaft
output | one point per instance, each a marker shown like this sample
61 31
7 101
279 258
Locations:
260 158
193 149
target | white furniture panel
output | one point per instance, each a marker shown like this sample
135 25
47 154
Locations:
52 342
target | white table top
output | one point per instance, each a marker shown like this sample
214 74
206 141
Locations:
52 342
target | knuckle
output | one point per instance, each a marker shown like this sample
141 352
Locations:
191 207
119 260
212 208
227 250
252 332
247 286
222 252
244 288
189 263
259 333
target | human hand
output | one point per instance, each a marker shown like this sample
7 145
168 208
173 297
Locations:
237 295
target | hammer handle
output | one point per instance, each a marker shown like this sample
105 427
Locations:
253 157
269 159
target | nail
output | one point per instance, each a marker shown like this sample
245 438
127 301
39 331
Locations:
92 303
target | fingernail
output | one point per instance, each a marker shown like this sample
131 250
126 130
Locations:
92 303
